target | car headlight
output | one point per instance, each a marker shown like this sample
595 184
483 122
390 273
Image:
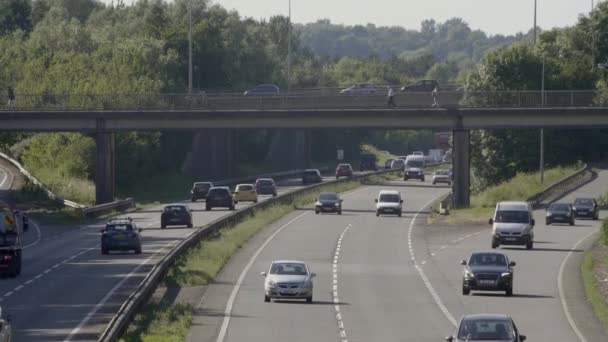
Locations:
337 204
574 208
549 214
307 284
505 274
468 274
271 283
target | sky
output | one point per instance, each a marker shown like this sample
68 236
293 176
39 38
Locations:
491 16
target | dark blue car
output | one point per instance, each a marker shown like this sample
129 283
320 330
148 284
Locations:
120 235
219 197
263 89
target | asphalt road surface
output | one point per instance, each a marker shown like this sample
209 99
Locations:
68 291
393 279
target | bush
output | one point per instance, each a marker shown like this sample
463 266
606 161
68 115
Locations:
605 231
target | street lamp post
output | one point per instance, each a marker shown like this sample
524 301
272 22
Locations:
289 49
190 47
542 131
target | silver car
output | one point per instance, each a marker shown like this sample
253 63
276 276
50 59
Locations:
288 279
442 176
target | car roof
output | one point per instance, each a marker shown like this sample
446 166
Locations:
220 187
389 192
288 261
486 316
584 198
244 184
176 205
488 252
513 205
203 183
328 193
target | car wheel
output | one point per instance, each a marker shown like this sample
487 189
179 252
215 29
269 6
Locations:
509 292
337 177
495 244
138 250
547 222
434 183
256 201
449 184
422 179
192 200
339 212
104 251
530 245
596 217
309 299
572 222
316 212
207 208
377 213
274 194
399 214
232 208
266 299
465 291
163 226
190 225
236 202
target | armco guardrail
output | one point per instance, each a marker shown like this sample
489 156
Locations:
97 210
127 311
33 179
561 187
275 176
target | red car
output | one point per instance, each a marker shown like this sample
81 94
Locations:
344 170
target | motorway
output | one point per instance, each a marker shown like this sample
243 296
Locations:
395 279
68 291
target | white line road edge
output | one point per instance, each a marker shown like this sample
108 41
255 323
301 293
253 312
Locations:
103 301
3 178
38 236
235 290
560 287
426 280
339 318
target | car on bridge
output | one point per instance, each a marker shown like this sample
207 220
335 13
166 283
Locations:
389 202
513 224
344 170
586 207
328 202
219 197
442 176
288 279
263 90
200 190
421 86
487 271
312 176
120 234
245 193
266 186
488 328
176 215
360 89
560 213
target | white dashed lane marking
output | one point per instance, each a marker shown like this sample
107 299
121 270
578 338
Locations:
339 318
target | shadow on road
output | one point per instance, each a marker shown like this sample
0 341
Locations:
515 295
544 249
281 301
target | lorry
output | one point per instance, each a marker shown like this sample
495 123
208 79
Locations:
414 168
11 234
368 161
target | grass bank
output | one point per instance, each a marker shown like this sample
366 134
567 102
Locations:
595 272
381 155
165 321
74 189
519 188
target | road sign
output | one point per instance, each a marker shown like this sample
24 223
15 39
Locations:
340 154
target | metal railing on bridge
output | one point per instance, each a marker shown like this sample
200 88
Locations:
307 100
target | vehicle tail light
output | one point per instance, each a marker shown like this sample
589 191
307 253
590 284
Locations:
7 257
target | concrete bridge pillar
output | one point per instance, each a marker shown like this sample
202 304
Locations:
105 176
461 162
214 154
290 149
301 149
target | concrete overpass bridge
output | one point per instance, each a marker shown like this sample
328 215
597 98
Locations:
222 114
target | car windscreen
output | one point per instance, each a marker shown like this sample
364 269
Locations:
486 330
288 269
265 182
584 201
511 216
415 163
559 207
389 198
488 259
328 197
245 188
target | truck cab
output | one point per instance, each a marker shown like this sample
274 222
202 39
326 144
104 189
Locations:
10 243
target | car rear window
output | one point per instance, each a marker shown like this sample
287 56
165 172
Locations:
119 227
583 201
218 192
265 182
202 185
175 208
245 188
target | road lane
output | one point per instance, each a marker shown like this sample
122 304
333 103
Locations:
64 280
536 305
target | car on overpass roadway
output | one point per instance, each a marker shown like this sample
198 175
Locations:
120 234
487 271
288 279
388 163
487 328
219 197
442 176
421 86
344 170
360 89
586 207
328 202
513 224
311 176
263 90
245 193
266 186
176 215
560 213
200 190
389 202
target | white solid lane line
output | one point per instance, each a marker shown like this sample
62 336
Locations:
3 178
560 287
38 235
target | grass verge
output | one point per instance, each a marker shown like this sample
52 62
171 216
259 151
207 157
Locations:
201 264
382 156
519 188
594 269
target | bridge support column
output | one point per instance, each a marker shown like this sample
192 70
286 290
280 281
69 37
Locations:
301 149
105 168
461 162
214 154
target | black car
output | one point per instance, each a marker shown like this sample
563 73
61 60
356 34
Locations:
586 207
368 162
120 235
560 213
200 190
328 202
176 215
263 90
312 176
219 197
421 86
487 271
266 186
487 327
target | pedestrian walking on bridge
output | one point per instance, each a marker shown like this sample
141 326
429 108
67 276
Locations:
391 98
11 97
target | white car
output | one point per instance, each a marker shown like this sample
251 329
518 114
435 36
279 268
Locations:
442 176
389 202
288 279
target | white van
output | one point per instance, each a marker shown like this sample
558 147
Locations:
414 168
389 202
513 224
